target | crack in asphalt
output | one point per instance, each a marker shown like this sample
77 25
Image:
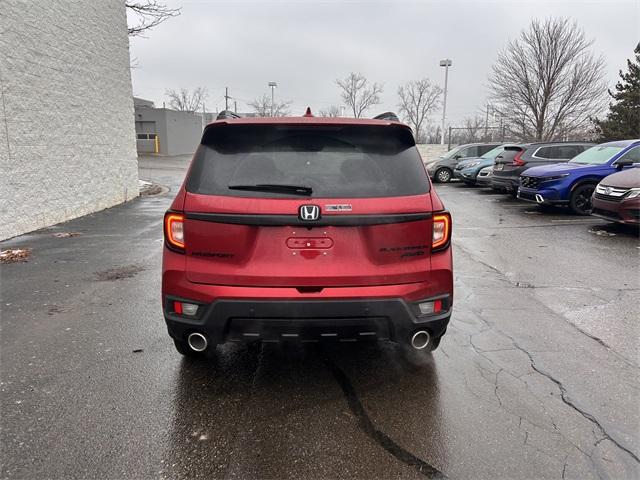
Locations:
516 284
367 426
563 392
563 396
570 403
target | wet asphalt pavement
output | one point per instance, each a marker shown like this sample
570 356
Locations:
537 376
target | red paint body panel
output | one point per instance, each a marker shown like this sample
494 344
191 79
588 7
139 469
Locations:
247 255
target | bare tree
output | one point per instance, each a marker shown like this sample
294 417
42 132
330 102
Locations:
432 133
418 99
547 82
333 111
186 100
358 94
474 129
262 107
148 14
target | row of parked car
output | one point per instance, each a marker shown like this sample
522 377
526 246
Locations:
590 179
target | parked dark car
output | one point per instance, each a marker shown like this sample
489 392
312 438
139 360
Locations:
516 159
617 197
441 169
574 182
468 170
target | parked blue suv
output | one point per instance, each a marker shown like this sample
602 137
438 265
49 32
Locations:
573 183
467 170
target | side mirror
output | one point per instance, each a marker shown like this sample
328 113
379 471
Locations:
620 165
457 157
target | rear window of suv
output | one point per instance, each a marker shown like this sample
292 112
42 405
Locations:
334 161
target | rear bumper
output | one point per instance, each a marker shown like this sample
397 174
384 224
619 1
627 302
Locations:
307 320
506 183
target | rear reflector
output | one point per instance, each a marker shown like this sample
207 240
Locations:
177 307
434 306
185 308
437 306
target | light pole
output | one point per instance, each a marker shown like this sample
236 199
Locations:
446 63
273 86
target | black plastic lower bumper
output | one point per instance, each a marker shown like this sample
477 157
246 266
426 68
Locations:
506 183
307 320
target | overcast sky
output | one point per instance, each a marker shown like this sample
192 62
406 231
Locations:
305 45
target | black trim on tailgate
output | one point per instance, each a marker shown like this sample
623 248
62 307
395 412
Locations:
293 220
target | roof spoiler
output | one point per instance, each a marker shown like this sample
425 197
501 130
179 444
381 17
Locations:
389 116
227 114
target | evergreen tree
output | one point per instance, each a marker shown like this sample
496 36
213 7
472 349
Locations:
623 120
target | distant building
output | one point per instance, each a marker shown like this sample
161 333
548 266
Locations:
141 102
164 131
169 132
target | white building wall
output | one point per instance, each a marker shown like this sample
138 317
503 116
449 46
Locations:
67 139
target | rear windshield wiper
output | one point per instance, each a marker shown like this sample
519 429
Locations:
268 187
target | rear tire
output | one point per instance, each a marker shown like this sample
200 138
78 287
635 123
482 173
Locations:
443 175
580 200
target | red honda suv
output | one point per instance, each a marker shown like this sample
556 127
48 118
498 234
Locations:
306 229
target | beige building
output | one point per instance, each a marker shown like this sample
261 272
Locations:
67 140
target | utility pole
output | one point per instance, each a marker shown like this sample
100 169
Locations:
204 116
486 122
273 86
235 107
342 107
446 63
226 98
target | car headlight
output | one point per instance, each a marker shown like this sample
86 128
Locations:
555 177
633 193
472 164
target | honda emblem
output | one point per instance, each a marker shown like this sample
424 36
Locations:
309 213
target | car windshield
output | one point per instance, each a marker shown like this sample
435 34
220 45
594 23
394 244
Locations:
492 154
596 155
323 162
451 152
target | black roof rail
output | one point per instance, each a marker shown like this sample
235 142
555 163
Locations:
390 116
226 114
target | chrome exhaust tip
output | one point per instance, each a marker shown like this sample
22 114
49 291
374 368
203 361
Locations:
197 342
539 198
420 339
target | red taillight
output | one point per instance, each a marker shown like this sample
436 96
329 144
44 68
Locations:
517 160
441 231
174 230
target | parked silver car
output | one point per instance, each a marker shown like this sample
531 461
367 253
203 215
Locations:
441 169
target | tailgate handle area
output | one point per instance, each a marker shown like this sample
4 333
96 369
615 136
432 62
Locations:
309 289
